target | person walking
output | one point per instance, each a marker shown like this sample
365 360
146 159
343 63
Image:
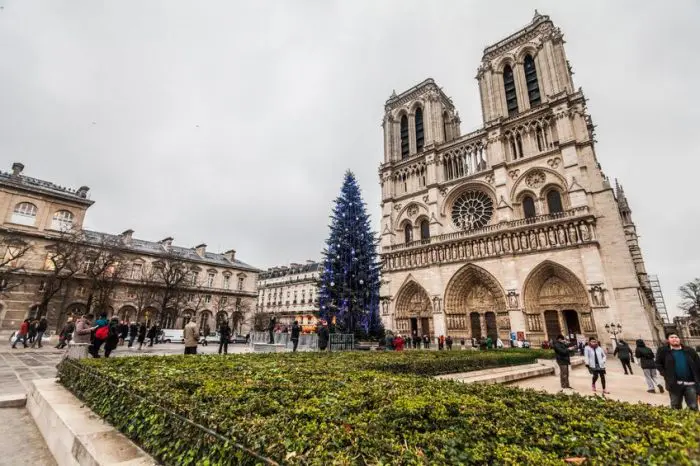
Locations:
112 340
40 330
22 334
191 336
142 334
101 333
66 334
133 333
224 336
561 351
123 332
296 330
679 365
449 341
646 359
426 342
595 358
151 335
624 354
32 330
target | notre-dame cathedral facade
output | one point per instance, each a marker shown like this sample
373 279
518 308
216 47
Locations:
512 228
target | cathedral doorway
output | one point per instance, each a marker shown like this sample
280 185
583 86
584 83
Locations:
475 305
413 314
553 295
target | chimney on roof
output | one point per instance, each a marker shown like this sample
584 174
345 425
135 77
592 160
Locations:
309 261
17 168
201 249
126 236
230 255
82 191
167 242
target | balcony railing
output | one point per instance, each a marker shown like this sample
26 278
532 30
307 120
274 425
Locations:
537 220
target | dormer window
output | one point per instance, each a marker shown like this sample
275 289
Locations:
24 214
62 220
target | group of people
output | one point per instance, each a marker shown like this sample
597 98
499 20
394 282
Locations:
399 342
678 364
31 331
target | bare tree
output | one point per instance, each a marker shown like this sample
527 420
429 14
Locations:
171 275
690 295
104 267
13 249
147 290
65 257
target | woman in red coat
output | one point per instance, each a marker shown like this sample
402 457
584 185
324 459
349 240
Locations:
398 343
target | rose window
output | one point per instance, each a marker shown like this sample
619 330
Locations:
472 209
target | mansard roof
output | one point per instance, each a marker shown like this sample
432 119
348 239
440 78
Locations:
152 248
17 180
292 269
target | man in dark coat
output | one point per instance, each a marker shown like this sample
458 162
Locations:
680 367
271 330
624 354
296 330
133 333
561 350
224 336
323 335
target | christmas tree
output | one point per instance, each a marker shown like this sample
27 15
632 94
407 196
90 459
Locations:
349 281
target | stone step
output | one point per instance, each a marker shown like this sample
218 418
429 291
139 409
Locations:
501 374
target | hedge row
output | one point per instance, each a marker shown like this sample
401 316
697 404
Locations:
352 408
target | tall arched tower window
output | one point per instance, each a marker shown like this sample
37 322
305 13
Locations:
404 137
509 86
424 230
533 89
554 202
529 207
420 134
408 232
444 127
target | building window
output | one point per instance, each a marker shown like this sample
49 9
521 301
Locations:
424 230
207 299
210 279
404 137
136 271
542 142
80 291
295 298
223 300
88 265
694 330
408 232
24 214
554 202
131 292
444 127
227 282
533 89
511 96
240 282
529 207
62 220
420 134
195 277
472 209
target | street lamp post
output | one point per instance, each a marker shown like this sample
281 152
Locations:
614 330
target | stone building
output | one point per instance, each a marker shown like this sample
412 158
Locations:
688 328
512 228
39 215
290 292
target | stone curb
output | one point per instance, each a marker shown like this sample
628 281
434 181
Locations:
17 400
74 434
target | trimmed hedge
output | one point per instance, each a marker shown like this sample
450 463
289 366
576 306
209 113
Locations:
354 408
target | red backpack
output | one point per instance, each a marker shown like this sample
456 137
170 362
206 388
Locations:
102 333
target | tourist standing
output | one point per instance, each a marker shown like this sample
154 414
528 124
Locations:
398 343
680 367
426 342
133 333
323 336
595 358
441 343
296 330
191 336
224 336
646 360
142 334
449 341
561 350
271 330
624 354
489 342
22 334
40 330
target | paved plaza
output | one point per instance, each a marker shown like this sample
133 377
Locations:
630 388
18 367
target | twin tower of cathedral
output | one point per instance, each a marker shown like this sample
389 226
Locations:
512 230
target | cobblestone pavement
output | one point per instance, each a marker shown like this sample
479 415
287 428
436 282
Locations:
630 388
18 367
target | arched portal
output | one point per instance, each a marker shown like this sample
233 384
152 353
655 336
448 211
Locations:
127 313
204 322
413 314
556 302
475 305
149 316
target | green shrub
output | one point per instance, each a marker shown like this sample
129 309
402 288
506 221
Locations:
366 408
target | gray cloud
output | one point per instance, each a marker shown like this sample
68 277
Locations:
232 123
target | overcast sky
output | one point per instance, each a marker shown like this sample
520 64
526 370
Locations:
231 123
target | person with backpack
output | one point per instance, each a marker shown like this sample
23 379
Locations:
112 340
100 336
22 334
646 360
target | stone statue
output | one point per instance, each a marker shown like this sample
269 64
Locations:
585 234
598 298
